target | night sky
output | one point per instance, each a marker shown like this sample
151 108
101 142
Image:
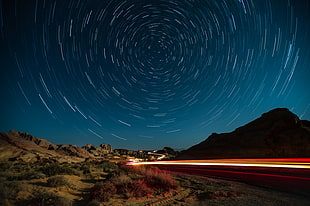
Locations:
147 74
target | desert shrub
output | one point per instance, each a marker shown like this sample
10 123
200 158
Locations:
58 169
106 166
94 203
122 183
20 167
30 175
35 175
10 176
4 166
3 177
86 167
154 177
134 182
139 188
103 191
45 198
10 190
162 181
57 181
6 202
131 187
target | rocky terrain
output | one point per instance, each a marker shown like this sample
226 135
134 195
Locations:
277 133
18 146
23 147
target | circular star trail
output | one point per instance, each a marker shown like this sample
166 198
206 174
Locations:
148 74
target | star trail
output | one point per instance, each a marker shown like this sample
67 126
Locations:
148 74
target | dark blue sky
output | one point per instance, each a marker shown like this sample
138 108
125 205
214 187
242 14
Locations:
148 74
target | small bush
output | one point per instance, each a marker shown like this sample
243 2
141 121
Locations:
129 187
107 166
103 191
20 167
139 188
44 198
94 203
134 182
10 190
86 168
162 181
57 181
122 183
4 166
36 175
29 175
154 177
58 169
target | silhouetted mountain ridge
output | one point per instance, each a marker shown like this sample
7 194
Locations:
277 133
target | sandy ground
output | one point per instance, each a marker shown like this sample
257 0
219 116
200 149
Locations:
191 191
201 191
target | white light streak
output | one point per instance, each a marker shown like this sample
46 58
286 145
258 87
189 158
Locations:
50 111
114 135
125 123
95 133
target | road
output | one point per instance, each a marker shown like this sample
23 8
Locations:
289 174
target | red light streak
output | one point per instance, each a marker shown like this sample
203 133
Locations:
298 163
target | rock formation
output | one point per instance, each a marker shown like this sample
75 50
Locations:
100 151
40 142
19 146
73 150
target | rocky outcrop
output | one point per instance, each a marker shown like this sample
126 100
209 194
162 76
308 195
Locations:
168 151
106 148
73 150
137 154
19 146
277 133
100 151
40 142
89 147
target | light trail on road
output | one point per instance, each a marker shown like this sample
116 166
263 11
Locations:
301 163
285 174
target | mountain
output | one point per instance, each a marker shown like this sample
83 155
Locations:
277 133
19 146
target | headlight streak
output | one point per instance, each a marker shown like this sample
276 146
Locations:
300 163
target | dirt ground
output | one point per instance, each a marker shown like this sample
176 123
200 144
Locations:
201 191
190 191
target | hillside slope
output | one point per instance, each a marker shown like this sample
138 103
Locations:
277 133
19 146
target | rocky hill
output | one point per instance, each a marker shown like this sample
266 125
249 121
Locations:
277 133
18 146
23 147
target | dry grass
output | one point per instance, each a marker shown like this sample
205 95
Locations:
134 183
58 181
103 191
44 197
